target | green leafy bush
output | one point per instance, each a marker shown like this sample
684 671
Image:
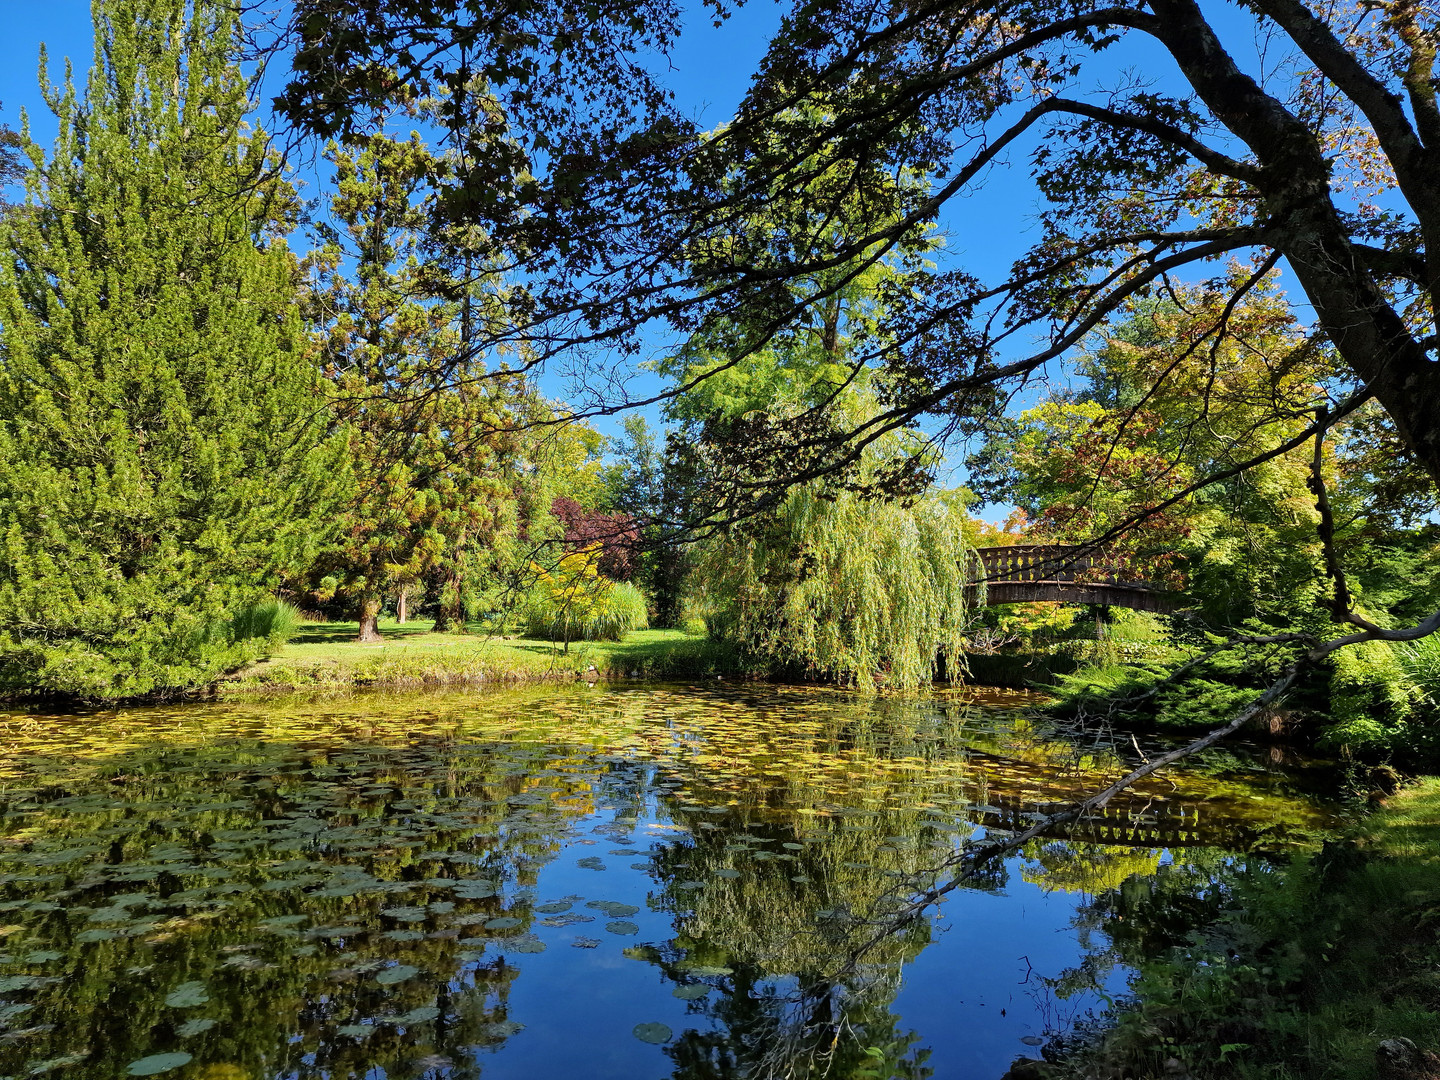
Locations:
273 621
609 617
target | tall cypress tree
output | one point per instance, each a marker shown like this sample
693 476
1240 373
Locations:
163 453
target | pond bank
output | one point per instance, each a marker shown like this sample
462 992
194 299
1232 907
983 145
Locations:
326 656
1324 967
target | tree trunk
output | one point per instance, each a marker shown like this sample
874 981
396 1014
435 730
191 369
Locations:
402 606
369 619
450 612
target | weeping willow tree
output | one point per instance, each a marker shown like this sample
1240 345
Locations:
864 591
869 590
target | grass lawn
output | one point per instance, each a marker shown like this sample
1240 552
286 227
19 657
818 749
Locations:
327 655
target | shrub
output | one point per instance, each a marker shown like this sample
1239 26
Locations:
1420 662
274 621
694 626
607 616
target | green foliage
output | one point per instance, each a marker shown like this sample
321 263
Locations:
431 435
162 459
573 603
271 621
627 608
1419 661
863 591
1284 972
694 626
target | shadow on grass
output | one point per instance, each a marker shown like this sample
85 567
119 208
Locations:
338 633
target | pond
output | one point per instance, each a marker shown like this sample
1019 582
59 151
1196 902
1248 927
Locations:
579 882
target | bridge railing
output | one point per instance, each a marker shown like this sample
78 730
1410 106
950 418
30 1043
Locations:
1023 573
1052 562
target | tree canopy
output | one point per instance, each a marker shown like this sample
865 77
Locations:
619 212
162 458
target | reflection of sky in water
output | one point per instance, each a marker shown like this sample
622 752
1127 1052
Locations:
209 847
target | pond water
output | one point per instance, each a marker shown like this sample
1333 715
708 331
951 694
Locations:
575 882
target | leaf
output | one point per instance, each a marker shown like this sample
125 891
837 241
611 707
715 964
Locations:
421 1015
504 922
553 909
527 944
188 995
158 1063
397 974
195 1027
622 926
405 914
613 908
356 1031
654 1033
590 862
691 992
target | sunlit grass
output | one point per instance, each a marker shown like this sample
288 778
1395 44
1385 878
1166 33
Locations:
324 654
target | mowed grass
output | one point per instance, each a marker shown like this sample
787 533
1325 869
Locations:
327 655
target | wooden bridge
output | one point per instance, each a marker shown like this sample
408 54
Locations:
1025 573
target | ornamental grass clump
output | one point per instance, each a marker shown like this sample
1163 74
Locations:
573 602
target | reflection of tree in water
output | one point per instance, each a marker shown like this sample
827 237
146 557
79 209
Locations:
1073 866
279 909
283 864
763 905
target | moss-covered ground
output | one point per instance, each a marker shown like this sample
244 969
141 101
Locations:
327 655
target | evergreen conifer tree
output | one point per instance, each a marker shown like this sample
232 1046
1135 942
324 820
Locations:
163 446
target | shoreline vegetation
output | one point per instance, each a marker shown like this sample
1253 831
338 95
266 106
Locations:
411 654
1290 974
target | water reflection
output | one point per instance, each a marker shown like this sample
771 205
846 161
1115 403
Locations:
563 881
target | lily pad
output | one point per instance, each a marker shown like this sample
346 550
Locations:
505 922
622 926
553 909
570 918
613 908
421 1015
158 1063
356 1031
195 1027
187 995
654 1033
527 944
590 862
726 872
691 992
397 974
